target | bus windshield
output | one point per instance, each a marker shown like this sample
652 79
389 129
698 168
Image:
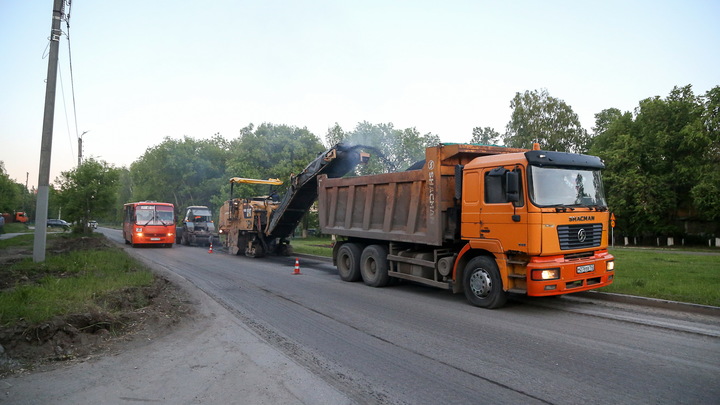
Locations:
553 186
154 215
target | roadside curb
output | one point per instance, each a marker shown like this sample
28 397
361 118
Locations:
611 297
313 257
649 302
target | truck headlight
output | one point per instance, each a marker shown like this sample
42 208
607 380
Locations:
611 265
546 274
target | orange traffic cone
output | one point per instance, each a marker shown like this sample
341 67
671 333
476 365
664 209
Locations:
210 250
297 267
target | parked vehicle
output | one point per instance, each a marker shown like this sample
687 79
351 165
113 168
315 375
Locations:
482 220
92 224
58 223
17 216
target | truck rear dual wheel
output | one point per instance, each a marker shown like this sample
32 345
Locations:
482 283
374 266
348 262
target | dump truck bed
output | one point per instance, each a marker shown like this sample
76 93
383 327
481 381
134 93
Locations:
416 206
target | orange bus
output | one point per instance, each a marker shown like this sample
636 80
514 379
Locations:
149 222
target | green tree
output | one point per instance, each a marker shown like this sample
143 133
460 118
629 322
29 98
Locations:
268 151
538 117
661 162
124 195
391 149
335 135
485 136
706 192
11 193
88 191
183 172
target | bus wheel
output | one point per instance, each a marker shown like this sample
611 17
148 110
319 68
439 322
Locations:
374 266
482 283
348 262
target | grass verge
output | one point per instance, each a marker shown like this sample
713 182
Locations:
68 281
313 246
18 241
16 227
685 277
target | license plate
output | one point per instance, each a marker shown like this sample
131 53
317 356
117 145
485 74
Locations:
586 268
159 239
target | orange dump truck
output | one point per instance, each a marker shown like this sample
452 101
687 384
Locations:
17 216
484 220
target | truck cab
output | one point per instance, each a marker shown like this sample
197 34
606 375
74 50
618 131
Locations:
543 215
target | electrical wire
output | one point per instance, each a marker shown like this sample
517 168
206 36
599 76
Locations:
72 77
67 122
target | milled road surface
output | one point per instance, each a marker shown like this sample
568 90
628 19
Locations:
273 337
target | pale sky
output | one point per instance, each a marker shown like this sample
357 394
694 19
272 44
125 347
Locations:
146 70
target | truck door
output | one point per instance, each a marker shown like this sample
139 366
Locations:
500 217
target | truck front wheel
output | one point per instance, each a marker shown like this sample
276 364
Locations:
348 262
482 283
374 266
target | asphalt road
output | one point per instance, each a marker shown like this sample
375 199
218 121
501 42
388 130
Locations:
409 344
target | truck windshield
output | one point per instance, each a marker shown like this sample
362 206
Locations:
200 216
154 215
553 186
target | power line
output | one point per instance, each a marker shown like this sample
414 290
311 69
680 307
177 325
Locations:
72 79
67 122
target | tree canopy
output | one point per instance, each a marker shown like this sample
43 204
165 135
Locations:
662 161
268 151
392 149
14 196
10 192
180 171
539 117
485 136
88 191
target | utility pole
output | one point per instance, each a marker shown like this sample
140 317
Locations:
47 133
27 178
80 149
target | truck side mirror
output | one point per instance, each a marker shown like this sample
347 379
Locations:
512 186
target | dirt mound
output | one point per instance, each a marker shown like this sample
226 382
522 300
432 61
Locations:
127 315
